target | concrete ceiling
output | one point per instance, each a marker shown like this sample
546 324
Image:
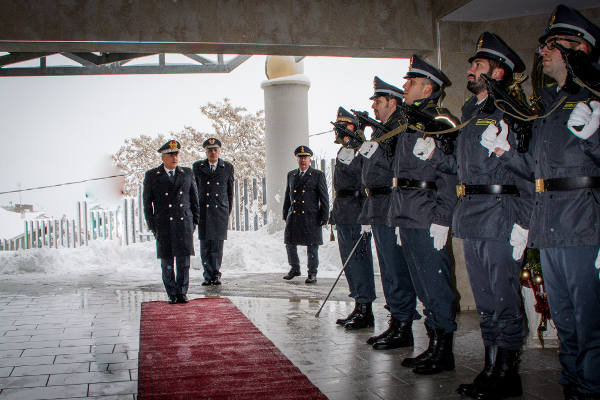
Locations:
490 10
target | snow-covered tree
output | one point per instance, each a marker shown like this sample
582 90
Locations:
241 133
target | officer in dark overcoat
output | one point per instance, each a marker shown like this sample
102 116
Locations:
171 211
564 159
349 196
421 206
305 211
494 206
214 177
377 174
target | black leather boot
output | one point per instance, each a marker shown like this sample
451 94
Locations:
342 321
412 362
505 380
442 356
400 335
362 319
375 338
294 271
482 379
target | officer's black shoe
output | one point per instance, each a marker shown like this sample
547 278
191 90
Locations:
172 299
342 321
412 362
442 357
311 279
182 298
207 282
294 271
216 281
482 379
505 380
400 335
363 318
375 338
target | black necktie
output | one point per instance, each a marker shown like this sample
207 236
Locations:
171 176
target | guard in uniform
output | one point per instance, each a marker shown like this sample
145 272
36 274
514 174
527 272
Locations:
421 206
347 205
377 174
492 217
305 211
214 178
565 160
171 212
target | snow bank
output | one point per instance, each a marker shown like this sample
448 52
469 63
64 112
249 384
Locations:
244 252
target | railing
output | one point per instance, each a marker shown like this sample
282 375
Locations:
126 222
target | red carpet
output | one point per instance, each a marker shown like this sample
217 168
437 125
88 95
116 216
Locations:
208 349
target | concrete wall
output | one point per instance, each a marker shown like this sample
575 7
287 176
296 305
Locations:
359 28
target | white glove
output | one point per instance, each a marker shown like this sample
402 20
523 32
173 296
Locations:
518 240
488 138
398 239
597 262
367 149
584 120
439 234
365 229
424 148
346 155
501 141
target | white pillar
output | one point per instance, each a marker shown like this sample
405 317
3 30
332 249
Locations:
286 127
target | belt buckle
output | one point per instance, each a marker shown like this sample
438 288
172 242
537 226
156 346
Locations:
367 192
460 191
540 186
394 182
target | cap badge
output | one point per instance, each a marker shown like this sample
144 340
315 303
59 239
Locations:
301 149
173 145
552 18
480 42
211 141
374 83
411 63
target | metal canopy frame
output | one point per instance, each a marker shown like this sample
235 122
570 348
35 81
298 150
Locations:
114 64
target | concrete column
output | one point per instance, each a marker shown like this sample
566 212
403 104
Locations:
286 127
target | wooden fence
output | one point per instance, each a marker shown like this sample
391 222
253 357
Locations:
126 222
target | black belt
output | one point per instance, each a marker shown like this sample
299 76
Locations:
579 182
346 193
463 190
378 190
404 183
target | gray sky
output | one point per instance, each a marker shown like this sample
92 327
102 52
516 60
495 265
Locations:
61 129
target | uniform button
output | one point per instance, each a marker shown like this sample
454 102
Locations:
216 206
181 205
303 190
302 211
294 201
180 192
207 206
217 194
170 218
166 194
208 194
551 229
294 190
294 212
170 206
217 183
182 218
207 182
302 201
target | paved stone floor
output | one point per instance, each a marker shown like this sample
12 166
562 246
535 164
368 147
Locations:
81 341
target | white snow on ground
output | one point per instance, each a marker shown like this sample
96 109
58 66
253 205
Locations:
244 252
13 223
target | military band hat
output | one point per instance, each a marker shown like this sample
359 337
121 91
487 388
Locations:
568 21
344 116
491 46
382 88
418 68
303 151
211 143
172 146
